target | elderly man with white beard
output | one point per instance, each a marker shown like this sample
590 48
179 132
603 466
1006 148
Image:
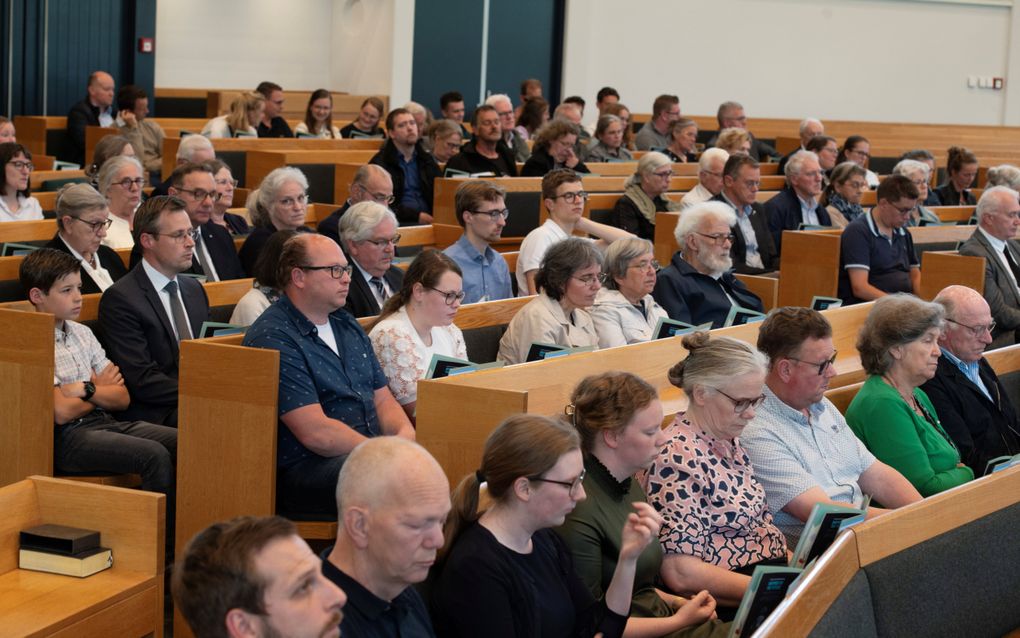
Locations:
698 285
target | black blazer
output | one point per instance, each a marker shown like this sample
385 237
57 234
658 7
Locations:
949 196
330 227
470 160
981 428
81 115
108 259
220 245
428 171
783 212
541 162
139 338
360 300
766 245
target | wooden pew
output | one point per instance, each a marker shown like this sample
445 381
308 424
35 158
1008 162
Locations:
345 105
486 397
38 178
261 163
957 214
125 600
939 270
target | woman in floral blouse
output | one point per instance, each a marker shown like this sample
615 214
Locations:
717 526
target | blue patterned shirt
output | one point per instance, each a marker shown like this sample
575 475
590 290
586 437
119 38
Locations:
310 372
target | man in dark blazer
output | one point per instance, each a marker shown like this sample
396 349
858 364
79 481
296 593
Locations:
95 110
215 255
371 183
798 203
80 232
998 223
972 404
753 250
368 235
404 157
145 314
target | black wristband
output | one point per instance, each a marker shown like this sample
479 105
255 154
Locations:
90 389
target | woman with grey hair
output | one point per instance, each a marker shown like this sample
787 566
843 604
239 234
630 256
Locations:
1004 175
717 525
121 180
568 280
82 222
843 194
608 146
444 140
919 173
624 311
683 146
891 415
644 195
279 203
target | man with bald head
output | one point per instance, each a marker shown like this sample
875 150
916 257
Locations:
972 404
95 110
998 213
809 129
371 184
392 499
328 402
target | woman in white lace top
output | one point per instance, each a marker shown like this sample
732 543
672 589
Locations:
417 323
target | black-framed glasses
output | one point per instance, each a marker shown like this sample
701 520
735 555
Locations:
977 331
741 405
719 238
21 165
494 215
572 196
180 236
383 243
200 194
822 366
95 226
450 296
336 271
588 280
573 487
127 182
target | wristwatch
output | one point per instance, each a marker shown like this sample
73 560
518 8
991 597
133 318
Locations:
90 389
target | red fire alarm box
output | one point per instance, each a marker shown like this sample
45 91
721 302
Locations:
146 45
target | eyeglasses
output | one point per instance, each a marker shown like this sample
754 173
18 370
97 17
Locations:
227 182
863 154
20 165
127 182
823 366
179 237
977 331
336 271
573 487
95 226
719 238
645 265
572 196
753 184
664 174
378 198
290 201
200 194
450 296
589 280
858 186
741 405
904 211
383 243
494 215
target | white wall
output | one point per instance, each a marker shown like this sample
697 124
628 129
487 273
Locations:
358 46
880 60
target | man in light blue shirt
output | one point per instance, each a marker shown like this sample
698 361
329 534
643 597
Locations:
481 210
802 450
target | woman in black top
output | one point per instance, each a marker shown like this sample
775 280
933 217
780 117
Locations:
554 148
505 573
683 146
367 124
962 166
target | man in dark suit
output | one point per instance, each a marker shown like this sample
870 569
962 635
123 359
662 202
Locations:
95 110
809 129
731 115
972 404
82 221
412 168
151 309
798 203
753 250
215 256
371 184
368 234
998 221
193 148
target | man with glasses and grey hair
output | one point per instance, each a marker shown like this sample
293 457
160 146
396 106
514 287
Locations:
998 213
481 210
801 447
215 256
192 149
507 121
368 234
371 184
698 286
333 393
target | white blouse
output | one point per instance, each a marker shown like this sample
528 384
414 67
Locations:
118 235
28 210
